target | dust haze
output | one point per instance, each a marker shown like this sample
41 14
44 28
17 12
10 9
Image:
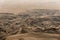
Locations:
16 6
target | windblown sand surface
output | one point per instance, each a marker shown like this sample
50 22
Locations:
35 24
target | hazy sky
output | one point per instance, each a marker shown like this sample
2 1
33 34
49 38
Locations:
30 0
20 5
